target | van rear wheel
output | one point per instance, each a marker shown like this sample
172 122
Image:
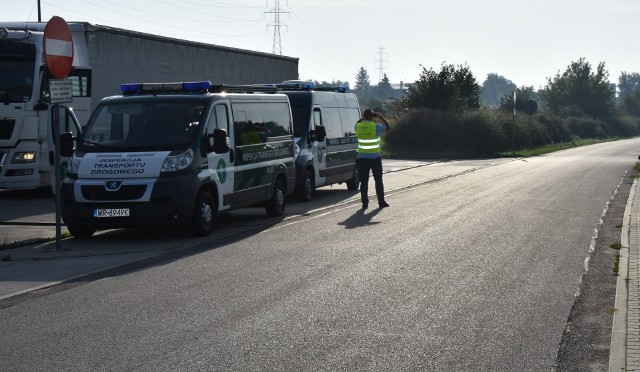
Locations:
275 206
354 182
203 214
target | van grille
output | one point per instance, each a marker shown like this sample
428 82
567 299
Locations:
126 192
6 128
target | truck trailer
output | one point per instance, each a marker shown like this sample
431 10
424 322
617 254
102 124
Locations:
104 58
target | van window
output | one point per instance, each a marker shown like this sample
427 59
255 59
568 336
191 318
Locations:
222 118
218 119
277 119
349 116
244 117
260 122
317 117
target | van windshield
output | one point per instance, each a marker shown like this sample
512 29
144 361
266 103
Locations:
17 63
149 126
301 117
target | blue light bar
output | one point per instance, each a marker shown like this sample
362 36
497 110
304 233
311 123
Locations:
196 85
177 87
130 88
308 85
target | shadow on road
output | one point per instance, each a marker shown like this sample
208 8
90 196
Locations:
360 219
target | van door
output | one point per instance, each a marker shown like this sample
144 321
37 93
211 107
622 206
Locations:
223 164
67 122
319 149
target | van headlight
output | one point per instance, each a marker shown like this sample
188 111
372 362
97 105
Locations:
177 162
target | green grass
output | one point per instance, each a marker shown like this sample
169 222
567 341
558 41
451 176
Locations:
524 153
398 153
6 244
617 246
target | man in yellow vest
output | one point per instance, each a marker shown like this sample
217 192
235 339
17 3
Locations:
368 132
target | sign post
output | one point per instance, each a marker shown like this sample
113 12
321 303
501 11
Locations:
513 127
58 54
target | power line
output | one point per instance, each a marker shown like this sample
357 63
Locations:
276 11
380 61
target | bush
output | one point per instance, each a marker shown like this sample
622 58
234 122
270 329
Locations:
427 132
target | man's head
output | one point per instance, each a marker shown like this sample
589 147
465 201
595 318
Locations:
367 114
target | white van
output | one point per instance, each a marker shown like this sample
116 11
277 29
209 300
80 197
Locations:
324 122
178 154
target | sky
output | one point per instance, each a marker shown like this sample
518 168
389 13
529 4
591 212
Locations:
527 42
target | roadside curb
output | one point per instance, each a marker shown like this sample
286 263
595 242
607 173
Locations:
618 348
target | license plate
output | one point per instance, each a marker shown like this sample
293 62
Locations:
119 212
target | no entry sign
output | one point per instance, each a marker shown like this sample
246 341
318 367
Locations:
58 47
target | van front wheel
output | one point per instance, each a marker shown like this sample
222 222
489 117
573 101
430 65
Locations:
307 186
275 206
81 232
203 214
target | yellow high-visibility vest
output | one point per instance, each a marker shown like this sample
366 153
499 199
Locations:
368 140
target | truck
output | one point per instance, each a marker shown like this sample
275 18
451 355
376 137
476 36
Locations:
104 58
177 154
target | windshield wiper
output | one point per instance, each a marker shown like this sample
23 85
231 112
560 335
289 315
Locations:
86 142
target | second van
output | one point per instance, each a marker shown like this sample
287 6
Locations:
324 133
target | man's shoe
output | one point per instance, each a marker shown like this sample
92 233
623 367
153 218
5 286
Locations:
383 204
365 206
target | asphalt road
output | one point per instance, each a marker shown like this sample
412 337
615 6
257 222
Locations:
477 272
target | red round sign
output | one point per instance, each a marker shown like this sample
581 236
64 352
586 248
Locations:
58 47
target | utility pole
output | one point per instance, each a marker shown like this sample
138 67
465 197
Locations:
39 12
276 11
380 61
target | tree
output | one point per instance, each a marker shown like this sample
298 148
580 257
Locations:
523 95
631 103
494 88
362 80
451 89
627 83
580 92
384 83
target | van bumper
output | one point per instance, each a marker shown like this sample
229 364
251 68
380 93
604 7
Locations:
170 201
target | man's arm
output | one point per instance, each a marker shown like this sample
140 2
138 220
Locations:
382 120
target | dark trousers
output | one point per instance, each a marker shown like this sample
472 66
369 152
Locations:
375 166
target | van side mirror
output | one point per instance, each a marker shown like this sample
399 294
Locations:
318 134
66 144
220 139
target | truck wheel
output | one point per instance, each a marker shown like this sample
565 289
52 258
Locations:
307 187
275 206
354 182
203 214
81 232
